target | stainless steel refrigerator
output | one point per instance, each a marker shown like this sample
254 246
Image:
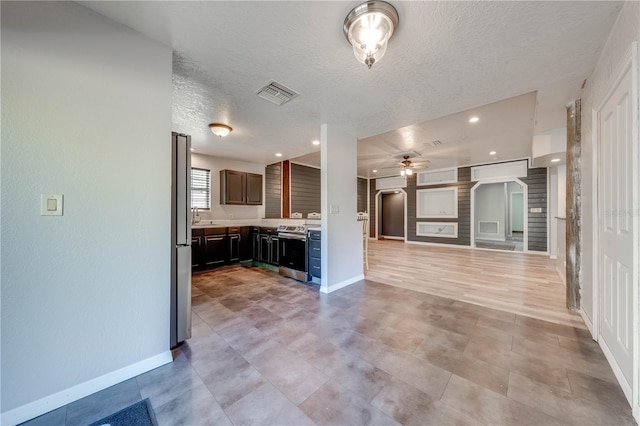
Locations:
180 238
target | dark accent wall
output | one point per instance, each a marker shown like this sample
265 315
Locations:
372 207
362 194
464 185
536 181
305 189
273 188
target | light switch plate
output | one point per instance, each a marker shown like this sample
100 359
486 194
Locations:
51 205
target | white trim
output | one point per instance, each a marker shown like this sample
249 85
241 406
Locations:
588 323
422 243
432 172
305 165
525 212
74 393
427 234
456 200
379 213
626 388
329 289
390 237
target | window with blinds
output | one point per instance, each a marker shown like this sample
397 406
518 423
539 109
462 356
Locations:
200 188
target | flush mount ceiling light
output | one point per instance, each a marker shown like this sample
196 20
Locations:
368 27
474 120
555 160
220 130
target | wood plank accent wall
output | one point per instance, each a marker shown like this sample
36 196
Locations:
536 180
273 190
286 188
362 194
464 185
305 189
372 208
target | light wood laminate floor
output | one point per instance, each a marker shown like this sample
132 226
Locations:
524 284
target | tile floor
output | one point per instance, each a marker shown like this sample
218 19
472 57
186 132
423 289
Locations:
269 350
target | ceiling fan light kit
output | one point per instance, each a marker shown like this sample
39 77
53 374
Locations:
368 28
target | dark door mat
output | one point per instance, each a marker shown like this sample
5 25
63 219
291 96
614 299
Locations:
139 414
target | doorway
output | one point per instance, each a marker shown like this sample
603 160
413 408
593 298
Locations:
498 215
392 215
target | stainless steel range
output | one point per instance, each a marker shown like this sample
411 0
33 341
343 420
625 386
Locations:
293 251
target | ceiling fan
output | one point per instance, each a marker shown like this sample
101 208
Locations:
409 166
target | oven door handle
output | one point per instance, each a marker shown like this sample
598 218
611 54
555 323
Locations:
292 237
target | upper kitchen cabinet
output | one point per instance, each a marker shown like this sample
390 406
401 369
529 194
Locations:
240 188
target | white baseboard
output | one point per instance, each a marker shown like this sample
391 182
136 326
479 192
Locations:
626 387
422 243
328 289
588 323
74 393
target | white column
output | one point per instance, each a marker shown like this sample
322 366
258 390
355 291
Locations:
341 232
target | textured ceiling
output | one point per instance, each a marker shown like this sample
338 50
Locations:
445 57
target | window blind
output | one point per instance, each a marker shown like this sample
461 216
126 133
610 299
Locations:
200 188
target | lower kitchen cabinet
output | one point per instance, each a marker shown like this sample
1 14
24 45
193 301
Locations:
266 248
314 254
215 249
196 249
246 244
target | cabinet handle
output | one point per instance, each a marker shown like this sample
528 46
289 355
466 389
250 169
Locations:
284 249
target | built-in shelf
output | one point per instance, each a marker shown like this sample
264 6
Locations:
437 229
437 203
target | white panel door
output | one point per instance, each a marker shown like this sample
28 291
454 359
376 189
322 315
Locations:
616 208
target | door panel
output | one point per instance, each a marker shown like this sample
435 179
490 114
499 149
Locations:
392 215
615 210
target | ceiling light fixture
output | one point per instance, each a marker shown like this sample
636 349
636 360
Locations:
316 142
406 169
368 27
375 171
492 153
555 160
278 154
474 120
220 130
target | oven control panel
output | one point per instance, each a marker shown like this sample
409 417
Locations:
299 229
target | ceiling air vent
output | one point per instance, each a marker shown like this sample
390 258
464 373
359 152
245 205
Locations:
277 93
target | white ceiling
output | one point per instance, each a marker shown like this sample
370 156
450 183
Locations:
445 57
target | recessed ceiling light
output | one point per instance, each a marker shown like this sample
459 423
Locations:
492 153
278 154
193 149
316 142
375 171
555 160
474 120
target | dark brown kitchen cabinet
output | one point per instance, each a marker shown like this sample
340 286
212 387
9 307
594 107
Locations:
254 189
215 247
196 249
240 188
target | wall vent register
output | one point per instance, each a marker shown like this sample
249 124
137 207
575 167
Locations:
277 93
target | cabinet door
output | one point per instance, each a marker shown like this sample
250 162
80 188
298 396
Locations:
254 189
232 187
256 247
265 248
215 250
274 259
234 248
245 243
196 253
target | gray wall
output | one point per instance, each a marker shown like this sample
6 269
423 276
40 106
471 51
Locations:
273 190
464 185
305 189
362 194
537 182
537 222
86 103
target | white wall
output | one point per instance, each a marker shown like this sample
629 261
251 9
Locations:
491 205
86 112
625 31
225 212
341 232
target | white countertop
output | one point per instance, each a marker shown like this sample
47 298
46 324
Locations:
255 222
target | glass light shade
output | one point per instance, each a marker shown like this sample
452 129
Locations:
368 27
402 172
219 129
409 172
